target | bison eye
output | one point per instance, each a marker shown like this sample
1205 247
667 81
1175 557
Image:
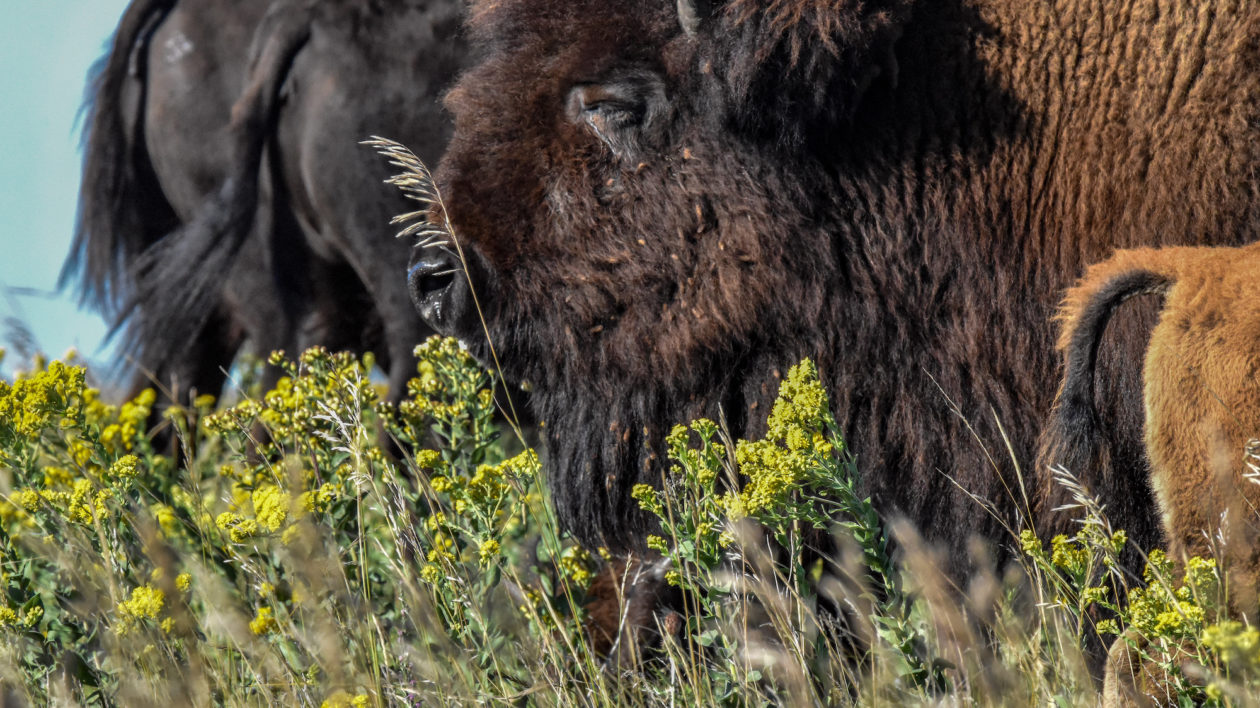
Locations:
626 113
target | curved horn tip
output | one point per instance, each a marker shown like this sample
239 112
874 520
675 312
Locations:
690 13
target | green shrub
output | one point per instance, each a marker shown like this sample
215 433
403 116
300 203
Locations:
285 557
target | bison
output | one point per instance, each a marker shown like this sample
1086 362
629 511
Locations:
224 195
1202 403
1202 394
663 205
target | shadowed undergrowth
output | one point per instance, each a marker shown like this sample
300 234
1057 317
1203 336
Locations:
285 559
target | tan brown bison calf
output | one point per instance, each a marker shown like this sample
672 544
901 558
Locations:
1202 399
1201 392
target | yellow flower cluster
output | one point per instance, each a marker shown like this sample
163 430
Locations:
777 465
268 508
9 618
705 462
485 488
317 499
431 573
488 488
264 622
271 506
35 402
132 417
1160 610
773 474
647 498
1065 554
125 469
341 699
430 460
488 552
1235 643
576 563
523 467
429 395
82 504
799 410
322 396
237 528
146 603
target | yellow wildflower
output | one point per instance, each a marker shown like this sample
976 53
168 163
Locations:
523 466
237 528
435 521
271 506
431 573
28 499
146 601
488 551
263 622
577 564
80 453
124 468
1030 544
165 516
1068 555
646 496
341 699
57 477
1236 644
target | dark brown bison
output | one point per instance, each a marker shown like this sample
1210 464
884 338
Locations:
225 197
663 205
1202 390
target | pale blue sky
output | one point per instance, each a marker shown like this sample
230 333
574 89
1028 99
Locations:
46 48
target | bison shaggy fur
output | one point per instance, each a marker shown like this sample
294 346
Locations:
661 211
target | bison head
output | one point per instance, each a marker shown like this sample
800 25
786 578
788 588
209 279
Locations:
646 224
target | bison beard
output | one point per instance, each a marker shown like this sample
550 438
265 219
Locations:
660 214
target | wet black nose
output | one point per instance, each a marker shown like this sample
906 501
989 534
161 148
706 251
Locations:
439 289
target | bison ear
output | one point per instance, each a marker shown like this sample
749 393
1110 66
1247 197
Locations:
817 56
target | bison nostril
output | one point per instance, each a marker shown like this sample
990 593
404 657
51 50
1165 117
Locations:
432 282
430 277
436 292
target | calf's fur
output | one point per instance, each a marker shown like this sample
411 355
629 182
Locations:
1201 392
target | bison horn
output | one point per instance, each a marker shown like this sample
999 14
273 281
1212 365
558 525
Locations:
690 13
